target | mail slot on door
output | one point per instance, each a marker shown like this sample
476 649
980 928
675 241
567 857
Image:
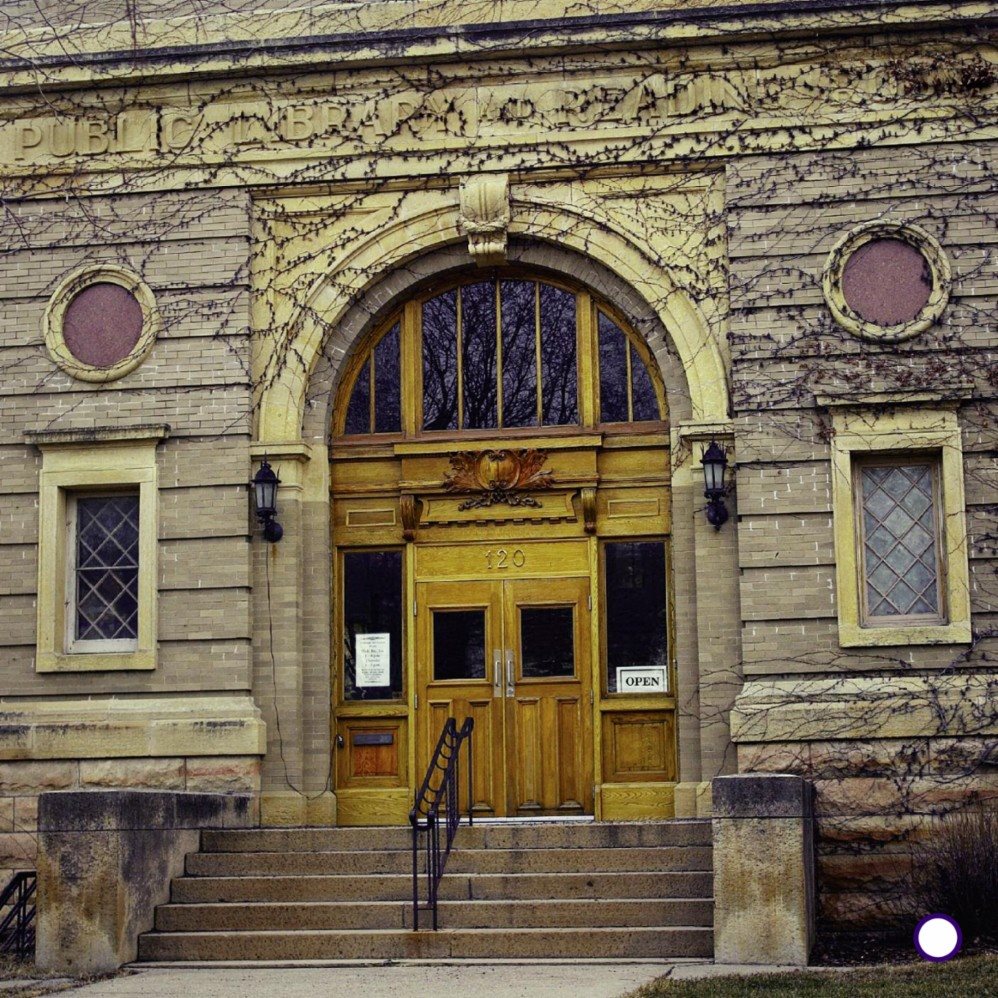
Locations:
372 738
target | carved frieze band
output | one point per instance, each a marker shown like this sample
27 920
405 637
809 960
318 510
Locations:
353 115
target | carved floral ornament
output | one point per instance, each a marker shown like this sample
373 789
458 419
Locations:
498 477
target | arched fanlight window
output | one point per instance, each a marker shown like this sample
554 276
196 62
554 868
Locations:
376 400
502 353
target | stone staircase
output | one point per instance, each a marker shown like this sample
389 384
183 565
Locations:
567 890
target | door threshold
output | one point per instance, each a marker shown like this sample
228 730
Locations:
540 819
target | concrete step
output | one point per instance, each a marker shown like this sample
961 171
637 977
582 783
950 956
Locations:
231 864
262 916
453 887
399 944
569 835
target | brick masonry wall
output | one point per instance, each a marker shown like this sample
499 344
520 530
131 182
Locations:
192 249
784 217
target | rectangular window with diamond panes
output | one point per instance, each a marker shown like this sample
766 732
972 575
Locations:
104 576
900 539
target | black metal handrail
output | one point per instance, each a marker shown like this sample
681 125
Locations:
439 788
17 927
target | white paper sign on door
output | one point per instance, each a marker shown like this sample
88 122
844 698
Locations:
373 660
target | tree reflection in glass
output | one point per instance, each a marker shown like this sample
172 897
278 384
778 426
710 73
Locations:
387 384
479 355
612 371
518 301
359 410
440 362
559 366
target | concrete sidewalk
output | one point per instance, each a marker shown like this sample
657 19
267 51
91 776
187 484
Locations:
479 980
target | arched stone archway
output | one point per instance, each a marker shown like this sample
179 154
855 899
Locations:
302 370
289 360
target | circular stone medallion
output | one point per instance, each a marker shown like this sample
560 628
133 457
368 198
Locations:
886 281
102 324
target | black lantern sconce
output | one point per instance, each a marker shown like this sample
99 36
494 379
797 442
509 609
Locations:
715 461
265 484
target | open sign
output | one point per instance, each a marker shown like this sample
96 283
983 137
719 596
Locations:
646 679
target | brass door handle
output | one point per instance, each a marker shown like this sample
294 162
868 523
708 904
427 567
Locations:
497 672
509 673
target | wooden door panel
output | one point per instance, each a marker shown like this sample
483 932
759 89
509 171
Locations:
638 747
548 718
528 756
462 686
569 728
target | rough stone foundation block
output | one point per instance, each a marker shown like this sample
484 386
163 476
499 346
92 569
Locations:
321 810
763 829
684 799
283 808
105 860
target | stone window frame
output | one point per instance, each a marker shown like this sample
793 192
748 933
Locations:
68 289
854 239
863 434
82 463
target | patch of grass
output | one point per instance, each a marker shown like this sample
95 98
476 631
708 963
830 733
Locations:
967 977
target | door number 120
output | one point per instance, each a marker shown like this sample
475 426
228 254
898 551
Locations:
501 559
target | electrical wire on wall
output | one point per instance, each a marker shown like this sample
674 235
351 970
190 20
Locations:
327 786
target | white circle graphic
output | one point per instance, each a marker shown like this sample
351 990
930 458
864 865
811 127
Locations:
937 937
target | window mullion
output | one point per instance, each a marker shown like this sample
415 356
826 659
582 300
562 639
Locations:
537 353
372 409
498 297
460 360
630 381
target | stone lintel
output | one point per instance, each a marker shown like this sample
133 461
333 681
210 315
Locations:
865 707
752 795
98 435
862 400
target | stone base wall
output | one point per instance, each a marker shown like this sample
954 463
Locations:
889 758
21 783
106 860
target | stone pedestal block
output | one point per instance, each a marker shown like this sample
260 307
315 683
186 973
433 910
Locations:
105 860
763 869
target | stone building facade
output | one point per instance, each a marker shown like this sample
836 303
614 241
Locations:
782 214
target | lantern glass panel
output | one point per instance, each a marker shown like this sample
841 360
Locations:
266 496
714 463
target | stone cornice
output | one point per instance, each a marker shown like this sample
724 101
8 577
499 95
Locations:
344 36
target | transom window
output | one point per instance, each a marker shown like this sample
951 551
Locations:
501 353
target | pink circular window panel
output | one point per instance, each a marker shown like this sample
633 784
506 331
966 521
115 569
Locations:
887 282
102 324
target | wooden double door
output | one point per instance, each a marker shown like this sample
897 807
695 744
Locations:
516 655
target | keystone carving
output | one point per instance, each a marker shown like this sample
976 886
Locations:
485 218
